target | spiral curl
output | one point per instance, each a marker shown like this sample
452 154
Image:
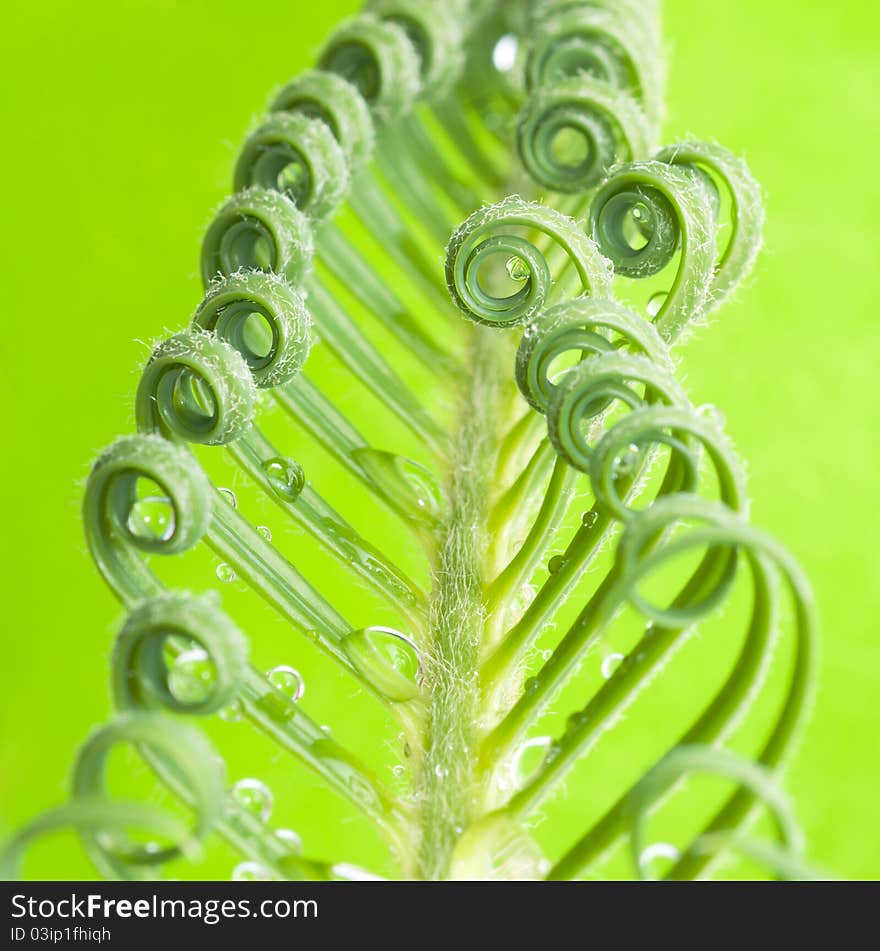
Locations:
641 216
718 165
617 43
91 816
687 435
752 778
585 325
140 672
184 752
728 541
609 125
258 229
196 388
111 497
298 157
325 96
263 318
588 389
488 233
378 59
436 37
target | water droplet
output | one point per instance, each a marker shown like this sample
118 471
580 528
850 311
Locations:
547 654
290 840
287 681
626 462
232 713
556 564
407 485
285 476
326 729
589 519
610 664
265 531
229 496
517 269
191 676
152 519
354 873
254 796
226 573
250 872
398 771
505 52
664 851
656 302
531 685
528 759
388 659
441 772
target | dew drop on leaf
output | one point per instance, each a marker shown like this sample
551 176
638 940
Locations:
290 841
191 676
152 519
610 664
285 476
254 796
288 681
229 496
387 659
226 573
528 759
231 713
250 872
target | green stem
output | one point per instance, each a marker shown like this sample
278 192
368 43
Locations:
457 614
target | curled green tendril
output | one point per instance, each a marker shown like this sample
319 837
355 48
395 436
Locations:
109 503
743 243
605 122
183 751
613 42
262 230
328 97
264 319
686 434
588 389
638 555
196 388
435 36
719 530
91 816
641 216
687 760
298 157
379 60
490 235
140 671
586 325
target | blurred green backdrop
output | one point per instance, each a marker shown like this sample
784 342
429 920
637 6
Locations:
120 124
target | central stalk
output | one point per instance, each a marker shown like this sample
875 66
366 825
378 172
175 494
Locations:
457 610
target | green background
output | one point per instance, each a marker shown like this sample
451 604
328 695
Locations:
120 125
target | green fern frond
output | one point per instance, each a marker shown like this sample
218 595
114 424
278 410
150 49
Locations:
566 487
